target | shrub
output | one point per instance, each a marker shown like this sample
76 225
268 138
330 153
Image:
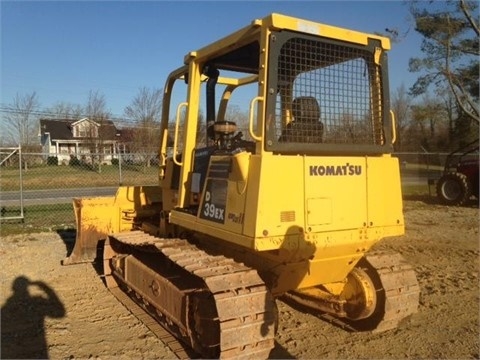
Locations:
74 161
52 160
115 162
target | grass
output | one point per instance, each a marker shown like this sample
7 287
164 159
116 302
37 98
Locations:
65 177
417 190
422 171
38 218
58 177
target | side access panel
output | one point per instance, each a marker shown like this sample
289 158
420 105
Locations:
384 196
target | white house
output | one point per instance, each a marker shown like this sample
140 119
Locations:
82 138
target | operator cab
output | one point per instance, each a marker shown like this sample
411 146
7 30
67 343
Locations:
304 94
341 82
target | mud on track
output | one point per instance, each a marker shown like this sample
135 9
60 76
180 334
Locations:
55 311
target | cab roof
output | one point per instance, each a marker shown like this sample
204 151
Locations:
243 45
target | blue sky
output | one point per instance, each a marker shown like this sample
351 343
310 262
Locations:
64 49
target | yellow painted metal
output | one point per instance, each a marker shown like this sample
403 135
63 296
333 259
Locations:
227 93
355 298
307 219
222 80
280 21
99 216
304 221
190 129
319 215
175 75
360 295
332 288
93 217
384 197
377 55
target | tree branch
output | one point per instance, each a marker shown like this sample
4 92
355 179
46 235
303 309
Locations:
465 11
473 113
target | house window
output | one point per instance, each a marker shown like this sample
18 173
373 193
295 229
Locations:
86 130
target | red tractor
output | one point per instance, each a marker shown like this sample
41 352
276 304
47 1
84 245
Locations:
460 176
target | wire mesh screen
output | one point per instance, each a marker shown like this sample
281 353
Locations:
328 93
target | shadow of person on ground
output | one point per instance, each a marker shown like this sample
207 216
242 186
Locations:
23 316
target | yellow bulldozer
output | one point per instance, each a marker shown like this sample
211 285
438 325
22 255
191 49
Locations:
287 208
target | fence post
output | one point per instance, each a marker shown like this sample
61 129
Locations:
119 169
10 153
22 215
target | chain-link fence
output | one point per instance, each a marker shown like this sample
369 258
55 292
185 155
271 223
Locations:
38 188
425 168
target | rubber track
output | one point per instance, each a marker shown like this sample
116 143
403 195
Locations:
245 307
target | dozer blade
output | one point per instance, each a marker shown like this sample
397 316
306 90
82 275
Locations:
93 218
97 217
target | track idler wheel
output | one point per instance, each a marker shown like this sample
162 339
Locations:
360 295
383 291
377 295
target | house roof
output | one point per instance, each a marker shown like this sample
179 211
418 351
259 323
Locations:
126 134
62 129
84 119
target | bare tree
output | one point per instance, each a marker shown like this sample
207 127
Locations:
145 110
96 111
429 123
21 121
96 107
401 106
65 110
240 117
201 129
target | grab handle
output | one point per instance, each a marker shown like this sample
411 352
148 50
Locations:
254 101
175 135
394 127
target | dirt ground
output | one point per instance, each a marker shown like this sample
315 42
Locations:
67 313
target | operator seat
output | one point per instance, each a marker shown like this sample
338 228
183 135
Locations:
306 126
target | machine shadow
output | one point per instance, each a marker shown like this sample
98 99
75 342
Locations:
68 237
344 324
279 352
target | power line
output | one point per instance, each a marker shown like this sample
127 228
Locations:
49 114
